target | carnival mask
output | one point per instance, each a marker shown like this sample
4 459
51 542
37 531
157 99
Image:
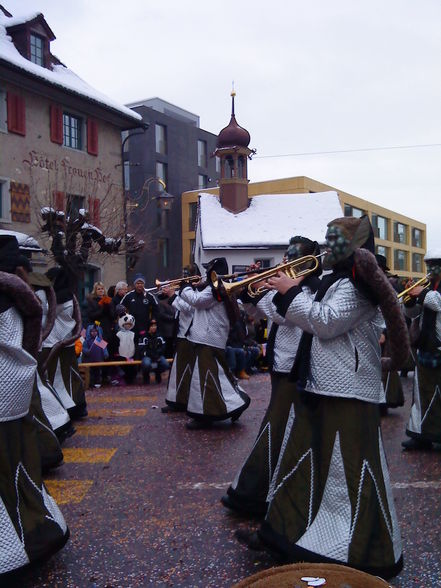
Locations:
434 268
337 246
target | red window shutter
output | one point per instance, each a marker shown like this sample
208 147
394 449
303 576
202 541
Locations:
56 124
16 114
92 137
96 212
59 201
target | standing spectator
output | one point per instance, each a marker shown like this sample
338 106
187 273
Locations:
141 305
150 351
120 291
99 308
168 324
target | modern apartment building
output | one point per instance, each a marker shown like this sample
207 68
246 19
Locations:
175 150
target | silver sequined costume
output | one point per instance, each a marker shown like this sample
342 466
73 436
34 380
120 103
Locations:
214 395
330 498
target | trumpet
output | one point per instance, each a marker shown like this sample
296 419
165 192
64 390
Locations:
293 269
172 283
405 294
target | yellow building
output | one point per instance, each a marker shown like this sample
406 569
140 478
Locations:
402 240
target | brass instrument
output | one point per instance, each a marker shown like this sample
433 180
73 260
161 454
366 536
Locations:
290 268
405 296
172 283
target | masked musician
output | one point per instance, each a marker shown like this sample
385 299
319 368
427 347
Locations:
32 527
214 394
181 371
248 493
331 499
424 426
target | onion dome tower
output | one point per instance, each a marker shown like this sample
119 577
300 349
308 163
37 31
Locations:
233 152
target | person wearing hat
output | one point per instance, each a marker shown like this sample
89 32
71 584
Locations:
214 394
424 426
331 499
32 527
249 491
142 305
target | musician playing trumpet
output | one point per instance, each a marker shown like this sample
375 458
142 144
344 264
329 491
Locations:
424 307
249 492
330 497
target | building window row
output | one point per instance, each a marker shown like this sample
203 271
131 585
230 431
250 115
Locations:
66 128
401 259
381 226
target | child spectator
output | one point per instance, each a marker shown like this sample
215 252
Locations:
94 351
151 347
126 348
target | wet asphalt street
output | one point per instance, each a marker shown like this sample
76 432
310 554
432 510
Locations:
141 495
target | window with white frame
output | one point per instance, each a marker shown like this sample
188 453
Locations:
72 131
3 111
5 200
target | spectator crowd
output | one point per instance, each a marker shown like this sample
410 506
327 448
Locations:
137 325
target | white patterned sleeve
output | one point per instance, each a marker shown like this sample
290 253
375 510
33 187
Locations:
433 301
201 300
333 316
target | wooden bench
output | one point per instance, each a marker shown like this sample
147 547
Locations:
85 367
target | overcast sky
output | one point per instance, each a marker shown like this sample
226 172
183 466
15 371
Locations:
311 76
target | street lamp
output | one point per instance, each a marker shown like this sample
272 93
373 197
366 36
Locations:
140 131
163 198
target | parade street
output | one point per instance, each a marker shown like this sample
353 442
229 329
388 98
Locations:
141 493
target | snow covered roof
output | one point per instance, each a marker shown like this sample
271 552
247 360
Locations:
25 242
270 220
60 75
19 19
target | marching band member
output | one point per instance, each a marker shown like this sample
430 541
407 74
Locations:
58 354
331 499
32 527
181 372
249 491
214 394
424 426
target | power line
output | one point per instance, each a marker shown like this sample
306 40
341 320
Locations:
348 151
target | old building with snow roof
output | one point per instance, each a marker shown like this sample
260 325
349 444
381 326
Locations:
60 143
249 222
